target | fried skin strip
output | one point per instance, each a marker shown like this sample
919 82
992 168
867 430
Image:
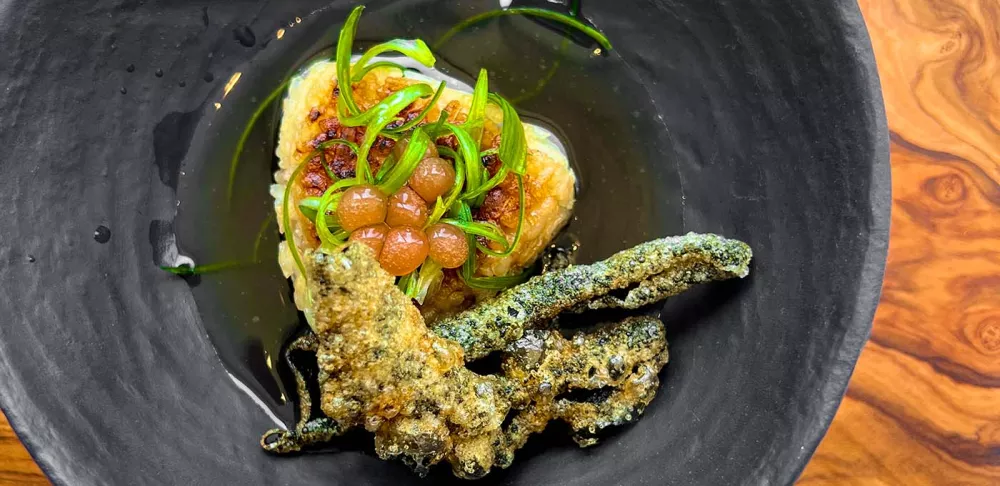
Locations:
380 368
648 272
617 363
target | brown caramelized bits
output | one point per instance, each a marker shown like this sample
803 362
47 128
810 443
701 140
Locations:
361 206
400 147
432 177
373 236
405 248
448 245
406 208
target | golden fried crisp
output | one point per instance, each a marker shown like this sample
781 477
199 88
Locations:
381 369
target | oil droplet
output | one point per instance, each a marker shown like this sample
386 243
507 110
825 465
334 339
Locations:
31 258
130 68
158 73
209 77
280 33
102 234
181 84
123 90
298 20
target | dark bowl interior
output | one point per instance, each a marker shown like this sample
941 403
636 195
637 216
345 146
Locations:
756 120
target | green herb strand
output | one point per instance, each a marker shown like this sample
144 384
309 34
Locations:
235 161
186 270
361 73
477 110
285 215
490 184
420 116
377 118
443 205
508 250
485 229
415 49
564 19
414 153
344 45
469 151
513 143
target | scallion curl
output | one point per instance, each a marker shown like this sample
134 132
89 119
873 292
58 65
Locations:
400 173
361 73
420 116
570 21
414 49
344 44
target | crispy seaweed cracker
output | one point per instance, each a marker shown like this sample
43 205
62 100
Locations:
382 369
645 274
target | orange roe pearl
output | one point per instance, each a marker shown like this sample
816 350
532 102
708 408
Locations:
361 206
373 236
448 245
400 147
432 177
405 248
406 208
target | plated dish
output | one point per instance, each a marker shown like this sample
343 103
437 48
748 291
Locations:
413 218
749 119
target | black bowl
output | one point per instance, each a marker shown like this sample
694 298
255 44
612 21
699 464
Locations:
758 120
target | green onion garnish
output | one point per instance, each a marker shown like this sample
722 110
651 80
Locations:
401 171
286 220
361 73
309 206
235 161
186 270
404 282
513 144
415 49
441 206
485 229
464 214
490 184
344 44
420 116
429 274
436 130
469 151
327 240
389 107
498 283
260 237
377 118
477 110
383 170
564 19
520 224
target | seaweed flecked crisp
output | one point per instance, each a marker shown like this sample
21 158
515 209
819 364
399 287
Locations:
380 368
646 273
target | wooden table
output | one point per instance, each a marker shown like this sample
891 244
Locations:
923 406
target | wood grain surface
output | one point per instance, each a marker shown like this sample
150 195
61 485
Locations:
16 466
923 406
